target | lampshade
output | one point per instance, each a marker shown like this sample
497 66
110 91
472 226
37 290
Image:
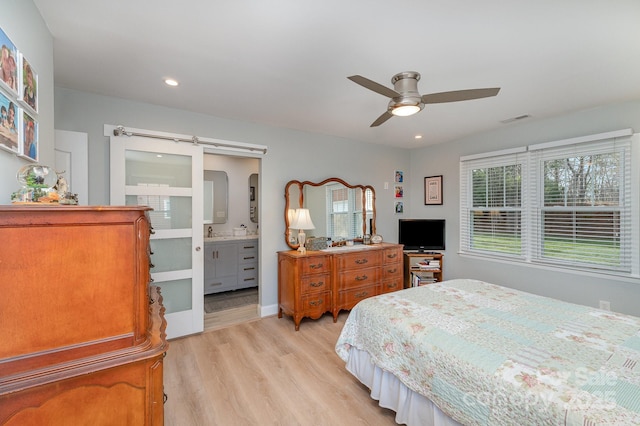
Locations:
302 220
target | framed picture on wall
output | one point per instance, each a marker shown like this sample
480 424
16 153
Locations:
29 91
433 190
29 146
399 191
8 64
9 123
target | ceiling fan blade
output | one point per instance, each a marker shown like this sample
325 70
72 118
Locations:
372 85
459 95
384 117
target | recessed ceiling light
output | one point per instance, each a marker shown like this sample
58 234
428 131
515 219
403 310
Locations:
418 136
170 82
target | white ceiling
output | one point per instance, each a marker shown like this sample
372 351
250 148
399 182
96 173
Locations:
285 62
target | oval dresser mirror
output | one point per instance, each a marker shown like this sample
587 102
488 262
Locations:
338 210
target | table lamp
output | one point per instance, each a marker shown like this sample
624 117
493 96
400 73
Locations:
302 221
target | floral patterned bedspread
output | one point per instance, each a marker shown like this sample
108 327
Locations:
489 355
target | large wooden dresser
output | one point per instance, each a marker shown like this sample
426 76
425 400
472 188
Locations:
82 332
317 282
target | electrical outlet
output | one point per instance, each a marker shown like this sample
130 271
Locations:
605 305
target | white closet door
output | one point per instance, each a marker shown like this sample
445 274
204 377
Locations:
167 176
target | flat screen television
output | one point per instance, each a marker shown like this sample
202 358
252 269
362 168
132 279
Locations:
421 234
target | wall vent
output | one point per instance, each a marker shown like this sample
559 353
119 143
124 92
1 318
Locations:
511 120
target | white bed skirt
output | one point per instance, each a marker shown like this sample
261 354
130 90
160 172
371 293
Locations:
411 408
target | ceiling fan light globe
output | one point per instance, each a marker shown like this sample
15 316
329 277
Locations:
405 110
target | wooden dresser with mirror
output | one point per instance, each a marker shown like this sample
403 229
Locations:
313 282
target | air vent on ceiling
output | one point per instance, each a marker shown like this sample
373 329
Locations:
511 120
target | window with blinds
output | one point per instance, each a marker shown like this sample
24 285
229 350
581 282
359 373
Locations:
565 203
492 205
582 205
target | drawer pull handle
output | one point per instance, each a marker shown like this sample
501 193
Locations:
392 256
391 271
249 279
151 265
249 269
362 294
315 302
249 247
394 285
316 266
249 257
317 284
362 261
361 277
164 398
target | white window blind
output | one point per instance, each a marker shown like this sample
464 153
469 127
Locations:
492 204
566 203
581 205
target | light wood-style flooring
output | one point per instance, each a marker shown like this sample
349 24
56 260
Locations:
263 372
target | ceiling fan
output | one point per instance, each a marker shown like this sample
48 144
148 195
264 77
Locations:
405 99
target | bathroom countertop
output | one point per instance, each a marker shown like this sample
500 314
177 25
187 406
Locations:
230 238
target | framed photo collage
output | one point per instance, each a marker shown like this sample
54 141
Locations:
18 102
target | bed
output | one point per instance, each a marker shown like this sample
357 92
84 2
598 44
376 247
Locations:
474 353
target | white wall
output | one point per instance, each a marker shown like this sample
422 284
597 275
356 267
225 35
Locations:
21 21
291 155
443 159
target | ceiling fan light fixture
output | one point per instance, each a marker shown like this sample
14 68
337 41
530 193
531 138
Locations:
405 110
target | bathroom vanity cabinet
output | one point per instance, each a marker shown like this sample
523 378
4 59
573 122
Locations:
230 265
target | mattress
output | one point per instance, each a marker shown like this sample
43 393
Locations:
485 354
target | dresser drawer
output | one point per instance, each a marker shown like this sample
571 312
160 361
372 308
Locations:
348 298
391 285
315 265
358 278
359 259
392 255
392 271
314 283
316 303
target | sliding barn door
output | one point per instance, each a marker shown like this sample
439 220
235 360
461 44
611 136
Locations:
167 176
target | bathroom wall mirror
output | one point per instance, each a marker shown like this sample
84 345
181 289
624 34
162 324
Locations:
216 196
253 198
338 210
